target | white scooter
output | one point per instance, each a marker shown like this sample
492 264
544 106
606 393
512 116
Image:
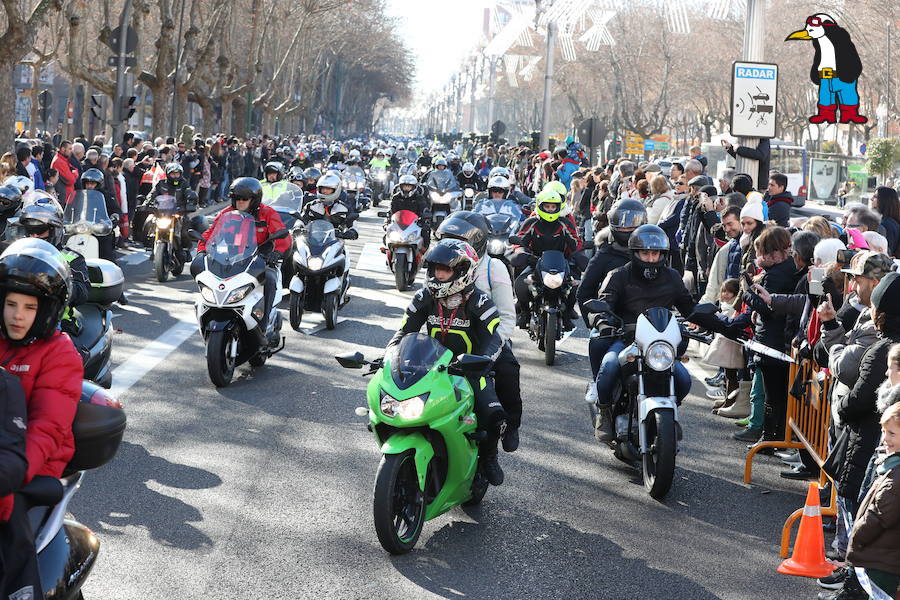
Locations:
86 220
231 303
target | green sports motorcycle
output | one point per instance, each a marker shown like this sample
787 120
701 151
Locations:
421 409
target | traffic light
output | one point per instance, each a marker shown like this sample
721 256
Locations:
97 105
45 102
126 111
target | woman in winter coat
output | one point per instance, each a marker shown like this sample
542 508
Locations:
661 201
885 202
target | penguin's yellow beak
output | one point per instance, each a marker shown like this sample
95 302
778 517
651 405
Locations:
799 35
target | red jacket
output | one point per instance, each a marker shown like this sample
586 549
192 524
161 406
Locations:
272 221
67 174
51 373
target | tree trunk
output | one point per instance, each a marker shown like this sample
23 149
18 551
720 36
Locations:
8 99
240 117
160 113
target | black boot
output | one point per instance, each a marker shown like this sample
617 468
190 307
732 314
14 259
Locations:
489 464
522 319
603 426
511 439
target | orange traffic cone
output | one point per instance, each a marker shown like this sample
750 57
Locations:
808 559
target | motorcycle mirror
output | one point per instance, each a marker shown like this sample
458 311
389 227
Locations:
352 360
596 306
351 234
280 234
194 235
383 214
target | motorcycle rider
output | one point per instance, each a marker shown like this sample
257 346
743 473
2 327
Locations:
311 175
336 156
410 195
34 286
440 178
273 185
297 176
463 319
469 178
493 279
322 205
246 196
92 179
424 159
624 217
541 232
173 185
10 201
318 153
645 282
379 161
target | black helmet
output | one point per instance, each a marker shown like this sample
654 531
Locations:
171 169
35 268
648 237
246 188
10 200
467 226
92 175
459 256
627 213
43 216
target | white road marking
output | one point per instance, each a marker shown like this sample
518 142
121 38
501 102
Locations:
135 258
147 358
371 258
321 326
391 298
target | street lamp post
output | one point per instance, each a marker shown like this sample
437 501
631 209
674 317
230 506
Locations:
177 69
881 112
548 85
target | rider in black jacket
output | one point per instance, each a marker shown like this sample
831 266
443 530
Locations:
624 217
410 195
645 282
463 319
469 178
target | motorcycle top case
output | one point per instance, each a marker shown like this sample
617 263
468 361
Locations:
107 281
98 429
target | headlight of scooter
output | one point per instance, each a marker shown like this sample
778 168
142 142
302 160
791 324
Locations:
315 263
164 222
659 356
239 294
82 227
552 280
496 247
411 408
207 294
396 237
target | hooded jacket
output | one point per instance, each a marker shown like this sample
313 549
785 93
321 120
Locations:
875 537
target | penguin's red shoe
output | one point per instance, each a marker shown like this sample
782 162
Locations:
849 114
827 114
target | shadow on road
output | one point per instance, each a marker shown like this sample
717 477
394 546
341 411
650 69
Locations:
465 559
128 500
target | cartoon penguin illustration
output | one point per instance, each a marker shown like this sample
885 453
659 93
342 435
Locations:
835 69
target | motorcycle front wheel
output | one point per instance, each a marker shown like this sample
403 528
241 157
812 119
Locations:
398 506
219 361
330 310
400 268
161 261
296 311
550 339
659 461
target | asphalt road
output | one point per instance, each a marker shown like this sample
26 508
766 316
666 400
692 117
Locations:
264 489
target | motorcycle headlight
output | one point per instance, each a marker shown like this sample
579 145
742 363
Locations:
496 247
82 227
552 280
382 176
469 192
164 222
660 356
411 408
315 263
395 237
435 197
239 294
207 294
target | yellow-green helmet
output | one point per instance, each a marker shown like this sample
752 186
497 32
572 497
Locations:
545 199
557 186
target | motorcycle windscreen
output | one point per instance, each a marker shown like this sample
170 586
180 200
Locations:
319 235
89 206
500 224
510 208
487 206
413 358
553 261
404 218
165 204
232 243
288 201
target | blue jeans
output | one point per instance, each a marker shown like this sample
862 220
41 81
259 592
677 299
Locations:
834 91
608 375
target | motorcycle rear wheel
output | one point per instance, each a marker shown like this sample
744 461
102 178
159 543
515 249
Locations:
550 339
161 261
400 276
659 461
398 505
218 362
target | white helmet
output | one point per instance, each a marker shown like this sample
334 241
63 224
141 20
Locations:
332 181
498 182
468 168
